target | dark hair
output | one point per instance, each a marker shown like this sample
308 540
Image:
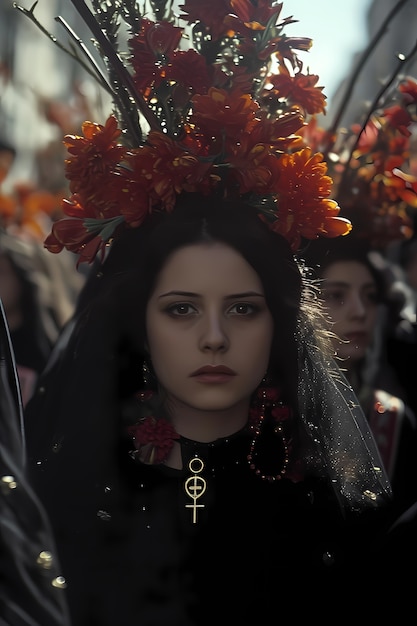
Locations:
320 254
197 219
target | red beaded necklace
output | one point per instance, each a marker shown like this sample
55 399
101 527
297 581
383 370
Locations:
256 427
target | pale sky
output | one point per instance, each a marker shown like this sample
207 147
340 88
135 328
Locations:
338 30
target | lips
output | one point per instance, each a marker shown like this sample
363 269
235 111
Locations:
213 374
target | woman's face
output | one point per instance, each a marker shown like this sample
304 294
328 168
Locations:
209 331
351 298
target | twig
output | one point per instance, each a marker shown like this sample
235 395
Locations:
402 61
30 14
360 66
119 68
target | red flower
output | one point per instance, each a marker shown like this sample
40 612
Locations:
399 118
82 236
211 13
153 439
151 50
190 70
245 16
93 156
408 89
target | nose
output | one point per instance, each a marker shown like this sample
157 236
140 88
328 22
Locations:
357 307
214 336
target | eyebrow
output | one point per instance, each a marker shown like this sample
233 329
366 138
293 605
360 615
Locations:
232 296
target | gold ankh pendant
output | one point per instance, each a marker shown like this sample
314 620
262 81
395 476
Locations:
195 486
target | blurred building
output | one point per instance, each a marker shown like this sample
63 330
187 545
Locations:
398 41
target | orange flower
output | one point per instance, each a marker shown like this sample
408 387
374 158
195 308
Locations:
284 48
224 113
305 209
168 168
277 132
8 208
256 170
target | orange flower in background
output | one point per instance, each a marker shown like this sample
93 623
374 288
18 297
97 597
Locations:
399 119
408 89
8 208
28 211
372 170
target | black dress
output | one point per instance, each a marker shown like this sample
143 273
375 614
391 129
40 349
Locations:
129 549
137 557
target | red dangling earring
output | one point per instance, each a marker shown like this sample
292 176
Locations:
268 399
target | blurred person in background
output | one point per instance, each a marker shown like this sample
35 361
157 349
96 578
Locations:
402 343
357 298
38 294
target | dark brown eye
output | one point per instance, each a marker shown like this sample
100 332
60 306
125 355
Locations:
181 309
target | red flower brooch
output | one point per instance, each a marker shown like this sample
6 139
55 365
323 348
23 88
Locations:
153 439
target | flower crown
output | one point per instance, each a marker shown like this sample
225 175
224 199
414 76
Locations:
211 100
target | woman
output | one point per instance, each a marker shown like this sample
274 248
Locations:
206 422
357 299
35 301
199 452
